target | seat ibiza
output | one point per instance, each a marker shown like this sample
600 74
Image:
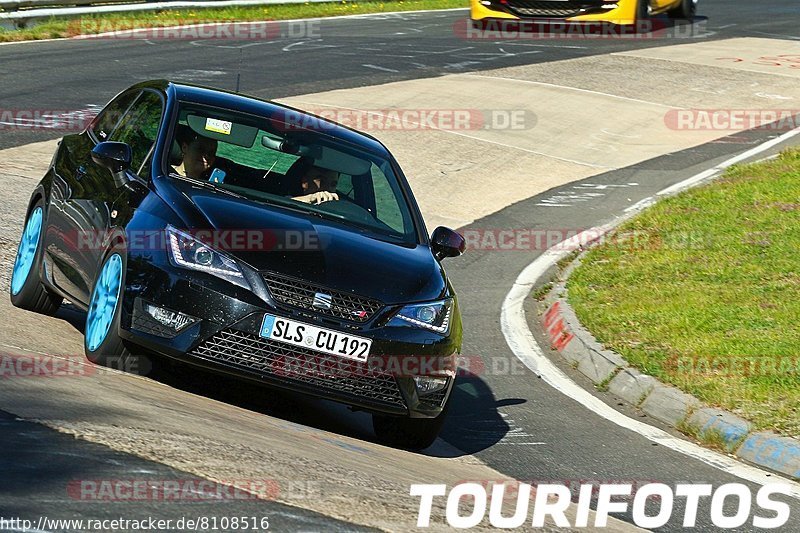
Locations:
252 239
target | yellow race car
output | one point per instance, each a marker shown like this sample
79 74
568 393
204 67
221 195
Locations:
620 12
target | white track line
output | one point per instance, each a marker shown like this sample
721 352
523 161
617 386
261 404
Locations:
569 88
521 341
335 17
703 176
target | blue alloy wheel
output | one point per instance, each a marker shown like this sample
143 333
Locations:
26 253
103 305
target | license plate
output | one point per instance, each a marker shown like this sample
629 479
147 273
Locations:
314 338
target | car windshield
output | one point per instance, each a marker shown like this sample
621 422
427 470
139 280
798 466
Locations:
268 161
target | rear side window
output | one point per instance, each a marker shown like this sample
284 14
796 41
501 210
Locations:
139 128
109 117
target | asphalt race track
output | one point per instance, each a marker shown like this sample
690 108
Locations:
504 422
351 53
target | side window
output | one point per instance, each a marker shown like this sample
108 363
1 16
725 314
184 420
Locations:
107 120
388 210
139 127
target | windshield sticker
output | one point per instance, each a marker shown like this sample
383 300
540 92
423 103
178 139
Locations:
218 126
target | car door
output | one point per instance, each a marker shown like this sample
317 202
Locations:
96 203
73 214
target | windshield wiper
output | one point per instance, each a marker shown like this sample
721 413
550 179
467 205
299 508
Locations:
366 230
328 215
207 185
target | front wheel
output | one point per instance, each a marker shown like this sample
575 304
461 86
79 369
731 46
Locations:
27 290
408 433
102 343
685 11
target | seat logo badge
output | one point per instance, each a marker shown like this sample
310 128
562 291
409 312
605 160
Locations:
322 301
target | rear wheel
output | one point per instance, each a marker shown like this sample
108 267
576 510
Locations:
408 433
642 10
27 290
685 11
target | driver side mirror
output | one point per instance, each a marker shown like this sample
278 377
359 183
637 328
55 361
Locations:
447 243
116 157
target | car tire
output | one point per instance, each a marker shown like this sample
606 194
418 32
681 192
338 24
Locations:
102 343
408 433
642 10
685 11
27 290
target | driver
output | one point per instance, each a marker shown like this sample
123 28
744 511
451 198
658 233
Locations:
199 155
319 185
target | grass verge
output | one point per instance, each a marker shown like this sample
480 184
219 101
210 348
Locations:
703 291
61 27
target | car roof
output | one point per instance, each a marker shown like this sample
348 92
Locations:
249 104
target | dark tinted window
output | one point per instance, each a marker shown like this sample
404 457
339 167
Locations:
108 118
139 128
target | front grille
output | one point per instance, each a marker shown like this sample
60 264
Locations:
292 364
297 293
544 9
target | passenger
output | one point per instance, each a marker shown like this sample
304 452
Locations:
319 185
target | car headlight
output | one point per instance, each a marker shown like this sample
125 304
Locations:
187 252
434 316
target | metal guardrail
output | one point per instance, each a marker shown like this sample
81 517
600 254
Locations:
19 4
24 15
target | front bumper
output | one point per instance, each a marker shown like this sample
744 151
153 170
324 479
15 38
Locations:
622 13
225 338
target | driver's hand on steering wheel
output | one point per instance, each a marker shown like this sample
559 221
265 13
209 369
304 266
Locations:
317 197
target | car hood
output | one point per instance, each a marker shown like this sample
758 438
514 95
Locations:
319 251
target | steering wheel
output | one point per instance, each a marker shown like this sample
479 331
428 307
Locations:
347 207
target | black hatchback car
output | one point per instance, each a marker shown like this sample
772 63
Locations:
253 239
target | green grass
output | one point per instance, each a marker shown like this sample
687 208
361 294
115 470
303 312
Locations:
67 27
703 291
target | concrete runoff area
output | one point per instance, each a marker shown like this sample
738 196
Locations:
591 115
457 177
776 57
